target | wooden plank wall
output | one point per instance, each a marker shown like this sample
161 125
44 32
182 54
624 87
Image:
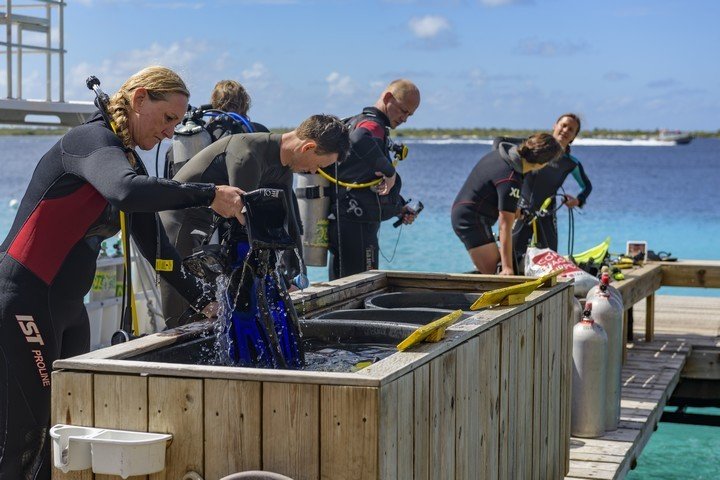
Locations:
504 394
497 403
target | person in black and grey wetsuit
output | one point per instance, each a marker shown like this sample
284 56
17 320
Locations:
251 161
543 184
492 191
48 260
227 96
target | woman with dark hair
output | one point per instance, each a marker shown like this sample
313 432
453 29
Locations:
492 191
542 186
47 262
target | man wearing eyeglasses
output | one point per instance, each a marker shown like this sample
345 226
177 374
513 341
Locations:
356 213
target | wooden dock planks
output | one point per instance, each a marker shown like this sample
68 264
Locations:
649 376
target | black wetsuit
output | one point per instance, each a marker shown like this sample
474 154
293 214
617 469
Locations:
47 265
539 186
362 210
493 185
246 161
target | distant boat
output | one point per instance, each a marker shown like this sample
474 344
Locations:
676 136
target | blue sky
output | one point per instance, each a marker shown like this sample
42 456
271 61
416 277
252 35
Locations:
479 63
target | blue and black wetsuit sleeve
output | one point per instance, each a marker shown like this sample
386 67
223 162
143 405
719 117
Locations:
583 181
104 164
148 233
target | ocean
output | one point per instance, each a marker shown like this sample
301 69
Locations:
668 196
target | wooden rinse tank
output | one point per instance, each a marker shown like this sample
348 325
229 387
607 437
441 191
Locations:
491 400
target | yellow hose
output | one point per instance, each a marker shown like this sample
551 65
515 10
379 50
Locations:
128 265
332 179
369 184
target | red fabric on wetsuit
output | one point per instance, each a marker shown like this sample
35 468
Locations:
53 228
375 129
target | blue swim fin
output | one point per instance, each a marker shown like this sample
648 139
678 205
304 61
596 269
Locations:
263 328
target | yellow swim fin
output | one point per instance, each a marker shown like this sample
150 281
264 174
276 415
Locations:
513 295
432 332
597 253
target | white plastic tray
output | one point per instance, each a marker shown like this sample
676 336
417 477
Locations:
111 452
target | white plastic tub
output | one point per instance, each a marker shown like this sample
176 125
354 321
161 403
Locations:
71 450
111 452
117 452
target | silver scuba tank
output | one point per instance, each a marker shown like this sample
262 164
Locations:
590 351
614 293
608 314
313 195
188 140
577 310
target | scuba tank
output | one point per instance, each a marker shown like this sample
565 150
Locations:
313 194
577 310
199 128
615 295
609 315
190 138
589 383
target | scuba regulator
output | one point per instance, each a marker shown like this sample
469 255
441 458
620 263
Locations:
397 150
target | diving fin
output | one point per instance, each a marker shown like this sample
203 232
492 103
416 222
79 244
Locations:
596 253
432 332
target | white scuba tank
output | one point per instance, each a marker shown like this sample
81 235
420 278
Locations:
590 351
577 310
313 195
608 314
614 293
189 139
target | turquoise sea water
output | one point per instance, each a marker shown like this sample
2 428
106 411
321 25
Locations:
668 196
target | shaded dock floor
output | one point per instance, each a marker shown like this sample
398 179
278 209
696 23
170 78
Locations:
650 374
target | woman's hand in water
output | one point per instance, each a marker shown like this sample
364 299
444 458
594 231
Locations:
228 202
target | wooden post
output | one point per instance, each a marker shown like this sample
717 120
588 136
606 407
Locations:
291 441
442 415
233 417
175 405
349 426
121 402
72 404
650 318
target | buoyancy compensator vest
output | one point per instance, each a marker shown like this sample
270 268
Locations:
361 203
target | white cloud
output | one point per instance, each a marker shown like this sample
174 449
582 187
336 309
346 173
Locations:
185 57
258 77
615 76
256 72
223 62
339 85
477 77
549 48
429 26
